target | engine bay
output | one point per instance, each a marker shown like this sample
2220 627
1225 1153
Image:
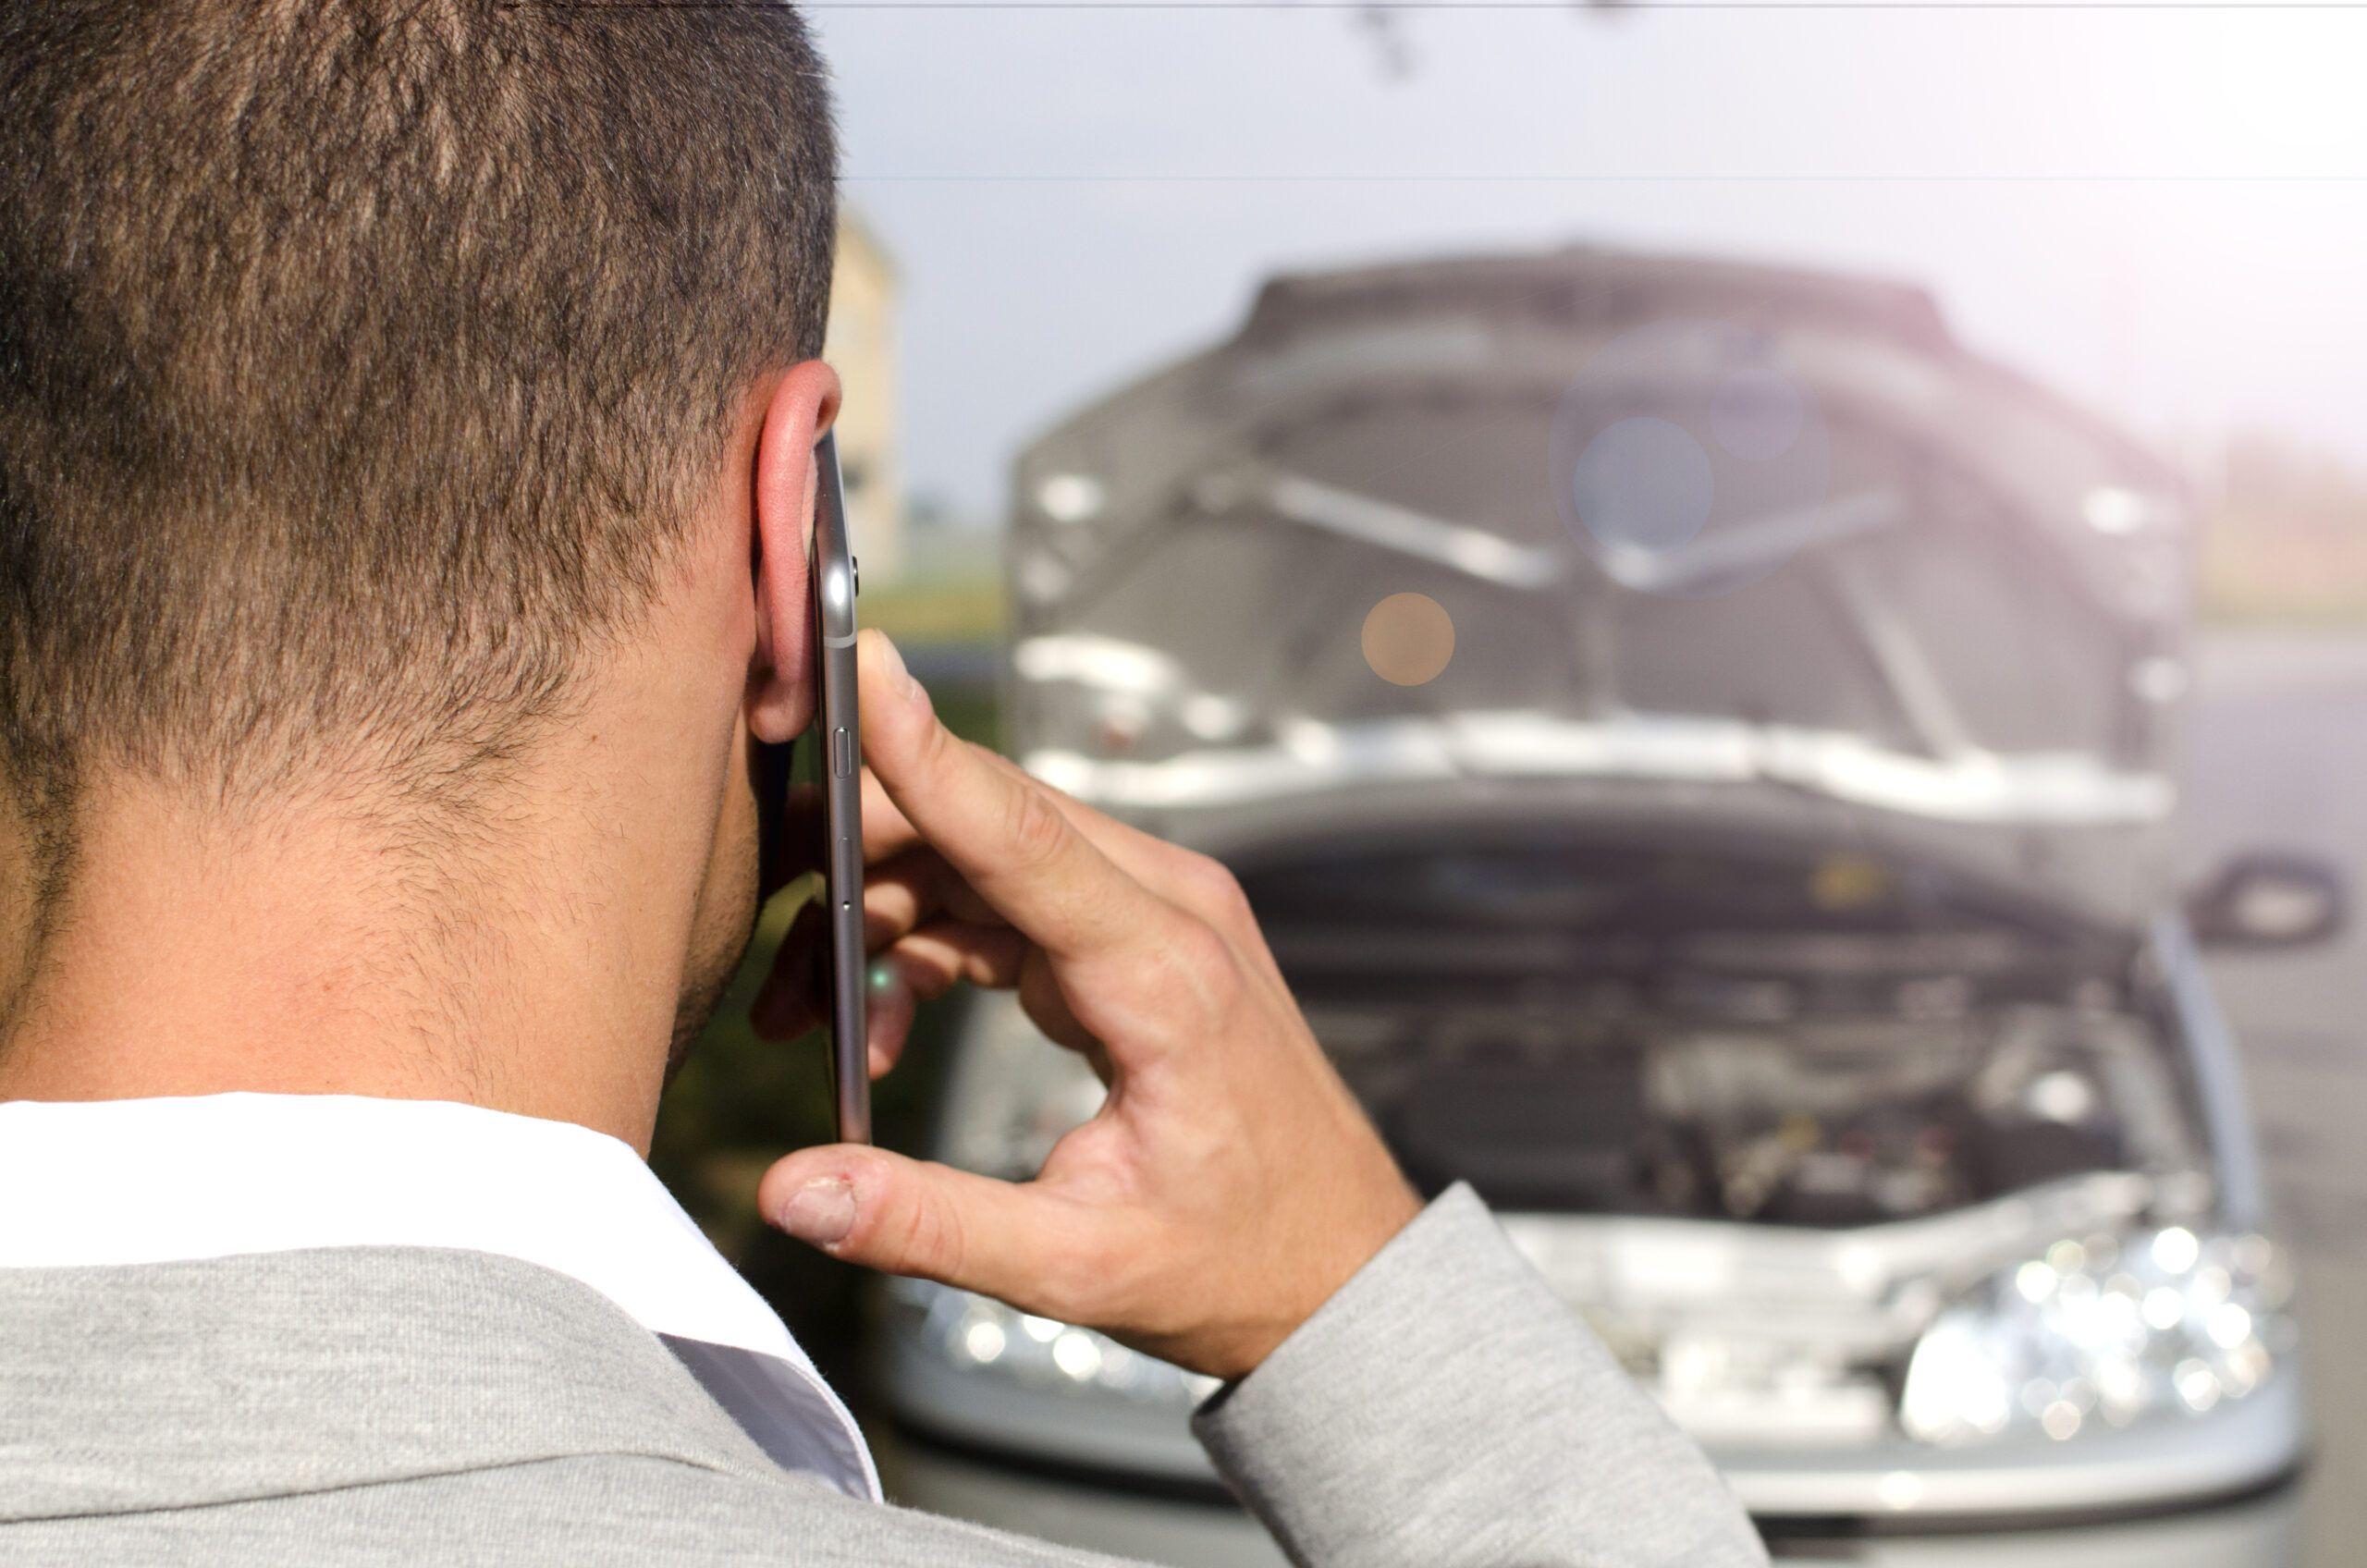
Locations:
1738 1029
1810 1121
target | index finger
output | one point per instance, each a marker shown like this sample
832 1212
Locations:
1000 829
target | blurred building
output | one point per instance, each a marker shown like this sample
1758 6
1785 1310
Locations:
865 294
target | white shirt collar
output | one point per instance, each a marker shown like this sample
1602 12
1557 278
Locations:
157 1180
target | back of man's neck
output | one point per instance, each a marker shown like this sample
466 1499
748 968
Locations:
297 958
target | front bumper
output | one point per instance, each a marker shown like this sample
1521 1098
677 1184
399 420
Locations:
2261 1531
1898 1487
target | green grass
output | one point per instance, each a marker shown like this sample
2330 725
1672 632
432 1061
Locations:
957 609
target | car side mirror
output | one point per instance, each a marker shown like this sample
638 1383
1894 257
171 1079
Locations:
2269 898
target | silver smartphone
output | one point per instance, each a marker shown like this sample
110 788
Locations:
837 739
810 809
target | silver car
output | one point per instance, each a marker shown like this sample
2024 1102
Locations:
1698 741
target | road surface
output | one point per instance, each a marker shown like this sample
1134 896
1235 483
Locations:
2276 756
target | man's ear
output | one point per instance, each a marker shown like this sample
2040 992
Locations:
781 683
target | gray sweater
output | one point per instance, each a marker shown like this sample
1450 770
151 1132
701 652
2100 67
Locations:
407 1406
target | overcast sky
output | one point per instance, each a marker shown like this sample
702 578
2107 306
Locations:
1074 194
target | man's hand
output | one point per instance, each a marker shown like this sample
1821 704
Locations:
1229 1185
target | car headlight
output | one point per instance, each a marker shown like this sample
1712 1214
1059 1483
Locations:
2107 1330
973 1333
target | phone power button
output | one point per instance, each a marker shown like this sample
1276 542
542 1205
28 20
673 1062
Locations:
841 752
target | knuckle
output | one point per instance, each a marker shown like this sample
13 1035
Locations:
1206 967
1203 952
929 1234
1034 828
932 746
1218 892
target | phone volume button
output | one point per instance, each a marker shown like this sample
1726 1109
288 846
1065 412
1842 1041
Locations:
841 754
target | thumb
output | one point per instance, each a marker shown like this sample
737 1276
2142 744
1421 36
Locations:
876 1208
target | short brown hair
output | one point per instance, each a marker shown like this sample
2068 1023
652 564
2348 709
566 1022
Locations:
362 359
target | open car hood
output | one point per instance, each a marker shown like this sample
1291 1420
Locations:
1714 540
